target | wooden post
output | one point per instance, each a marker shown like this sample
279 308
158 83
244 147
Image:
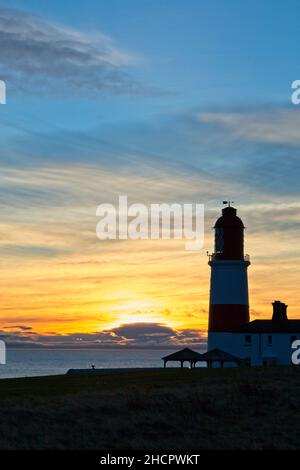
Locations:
181 364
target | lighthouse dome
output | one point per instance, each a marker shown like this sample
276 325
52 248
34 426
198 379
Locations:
229 219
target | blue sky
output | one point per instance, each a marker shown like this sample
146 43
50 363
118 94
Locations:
194 53
198 87
163 101
176 59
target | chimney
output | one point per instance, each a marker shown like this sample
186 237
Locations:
279 311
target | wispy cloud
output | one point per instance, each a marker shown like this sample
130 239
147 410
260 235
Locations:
219 147
73 282
18 327
38 57
274 126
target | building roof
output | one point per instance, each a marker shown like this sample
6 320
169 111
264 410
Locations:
185 354
219 355
268 326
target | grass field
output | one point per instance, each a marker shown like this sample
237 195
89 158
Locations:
255 408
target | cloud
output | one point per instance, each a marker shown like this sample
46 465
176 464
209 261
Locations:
18 327
220 148
133 335
272 126
43 214
38 57
143 330
49 209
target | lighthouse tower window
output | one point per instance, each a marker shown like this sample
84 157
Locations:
219 240
270 340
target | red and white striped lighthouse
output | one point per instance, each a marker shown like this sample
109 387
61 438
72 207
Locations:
229 299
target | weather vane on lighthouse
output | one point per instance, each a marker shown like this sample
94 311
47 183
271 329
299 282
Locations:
228 202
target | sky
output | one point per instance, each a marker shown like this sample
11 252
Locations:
163 101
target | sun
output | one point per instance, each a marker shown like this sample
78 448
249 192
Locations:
134 308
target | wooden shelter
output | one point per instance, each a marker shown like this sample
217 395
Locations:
214 355
182 356
217 355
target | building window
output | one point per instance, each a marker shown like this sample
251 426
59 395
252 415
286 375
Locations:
270 340
248 340
293 338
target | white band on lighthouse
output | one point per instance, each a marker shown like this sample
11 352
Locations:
229 282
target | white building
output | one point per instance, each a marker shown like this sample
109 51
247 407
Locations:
260 342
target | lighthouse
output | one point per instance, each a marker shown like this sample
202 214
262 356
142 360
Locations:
232 338
229 298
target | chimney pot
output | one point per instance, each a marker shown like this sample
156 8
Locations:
279 311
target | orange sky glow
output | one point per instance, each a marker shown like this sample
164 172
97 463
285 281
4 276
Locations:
87 285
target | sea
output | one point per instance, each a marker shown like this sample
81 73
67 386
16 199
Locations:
41 362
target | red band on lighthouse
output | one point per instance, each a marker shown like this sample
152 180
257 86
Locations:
222 318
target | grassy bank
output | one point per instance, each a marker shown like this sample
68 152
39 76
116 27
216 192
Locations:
154 409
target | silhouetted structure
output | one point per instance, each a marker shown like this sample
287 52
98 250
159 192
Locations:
279 311
184 355
214 355
259 342
217 355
